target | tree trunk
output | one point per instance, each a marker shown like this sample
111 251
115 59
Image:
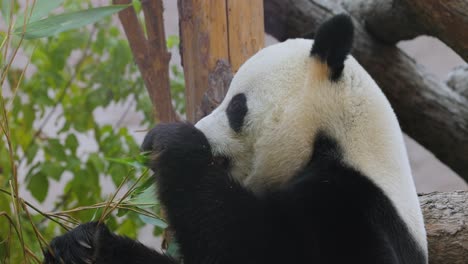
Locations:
395 20
211 31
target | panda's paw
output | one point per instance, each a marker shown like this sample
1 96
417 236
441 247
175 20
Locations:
77 246
176 146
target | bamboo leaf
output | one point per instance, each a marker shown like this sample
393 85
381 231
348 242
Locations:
41 9
63 22
5 9
153 221
137 162
145 199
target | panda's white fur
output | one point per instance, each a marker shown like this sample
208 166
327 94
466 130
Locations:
294 99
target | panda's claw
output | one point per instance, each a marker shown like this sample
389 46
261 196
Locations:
76 246
88 261
84 244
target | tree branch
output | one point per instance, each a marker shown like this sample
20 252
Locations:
150 54
395 20
428 110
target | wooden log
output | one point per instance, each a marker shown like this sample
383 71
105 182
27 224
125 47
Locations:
428 110
395 20
446 219
150 54
213 31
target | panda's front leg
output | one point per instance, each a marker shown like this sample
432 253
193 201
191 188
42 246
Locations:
215 219
93 243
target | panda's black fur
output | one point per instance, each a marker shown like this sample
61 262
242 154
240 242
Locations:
333 43
329 212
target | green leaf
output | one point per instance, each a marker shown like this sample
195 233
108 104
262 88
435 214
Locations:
39 186
137 6
145 199
71 142
31 152
73 164
153 221
136 162
41 9
128 227
121 212
97 214
55 24
5 8
52 169
55 149
97 162
173 250
172 41
145 183
29 116
2 43
117 173
83 122
157 231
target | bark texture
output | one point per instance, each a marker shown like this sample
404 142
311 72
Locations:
204 40
218 84
428 110
150 54
446 219
395 20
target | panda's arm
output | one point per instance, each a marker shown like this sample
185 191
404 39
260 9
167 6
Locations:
114 249
215 220
94 243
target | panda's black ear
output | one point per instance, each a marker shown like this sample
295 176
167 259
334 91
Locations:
333 42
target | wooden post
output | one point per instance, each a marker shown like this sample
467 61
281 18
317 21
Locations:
246 30
212 31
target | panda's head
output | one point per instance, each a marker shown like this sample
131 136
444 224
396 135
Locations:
287 93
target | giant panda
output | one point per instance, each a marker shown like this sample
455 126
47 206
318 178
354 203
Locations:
302 162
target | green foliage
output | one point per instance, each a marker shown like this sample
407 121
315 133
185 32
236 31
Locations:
55 24
48 103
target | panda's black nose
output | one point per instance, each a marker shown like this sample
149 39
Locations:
177 145
181 137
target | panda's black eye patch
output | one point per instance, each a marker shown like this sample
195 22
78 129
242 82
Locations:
236 111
